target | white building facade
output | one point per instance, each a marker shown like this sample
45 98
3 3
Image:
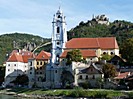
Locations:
16 65
59 39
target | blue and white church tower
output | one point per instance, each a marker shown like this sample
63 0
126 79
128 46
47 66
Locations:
59 36
59 39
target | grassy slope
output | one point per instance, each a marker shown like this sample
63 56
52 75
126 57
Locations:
79 92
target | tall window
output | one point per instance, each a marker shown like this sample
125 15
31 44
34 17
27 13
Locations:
57 58
37 63
58 29
86 77
41 63
93 77
80 77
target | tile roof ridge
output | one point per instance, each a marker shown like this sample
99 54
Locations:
98 42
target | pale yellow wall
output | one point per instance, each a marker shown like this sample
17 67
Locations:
115 51
98 52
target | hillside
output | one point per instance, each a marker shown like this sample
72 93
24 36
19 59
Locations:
8 42
97 27
93 28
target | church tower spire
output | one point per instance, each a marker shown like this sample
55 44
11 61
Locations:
59 36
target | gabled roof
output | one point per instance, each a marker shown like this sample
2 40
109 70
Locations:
26 57
92 43
116 58
92 69
85 53
19 56
15 58
43 55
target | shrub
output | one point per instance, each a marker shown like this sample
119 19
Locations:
84 85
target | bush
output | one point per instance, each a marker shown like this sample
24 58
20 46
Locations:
130 94
84 85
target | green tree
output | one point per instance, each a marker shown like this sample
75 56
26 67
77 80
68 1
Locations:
109 70
127 50
67 78
74 55
106 57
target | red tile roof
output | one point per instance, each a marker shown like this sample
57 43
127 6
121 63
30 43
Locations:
92 43
122 75
23 56
85 53
43 55
15 58
26 57
20 57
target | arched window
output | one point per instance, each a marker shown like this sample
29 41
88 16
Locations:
111 53
58 29
41 63
58 16
37 63
104 53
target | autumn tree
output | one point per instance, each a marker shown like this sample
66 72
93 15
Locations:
127 50
74 55
109 70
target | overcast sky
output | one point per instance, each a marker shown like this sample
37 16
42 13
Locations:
35 16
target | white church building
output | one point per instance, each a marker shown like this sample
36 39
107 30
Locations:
91 49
